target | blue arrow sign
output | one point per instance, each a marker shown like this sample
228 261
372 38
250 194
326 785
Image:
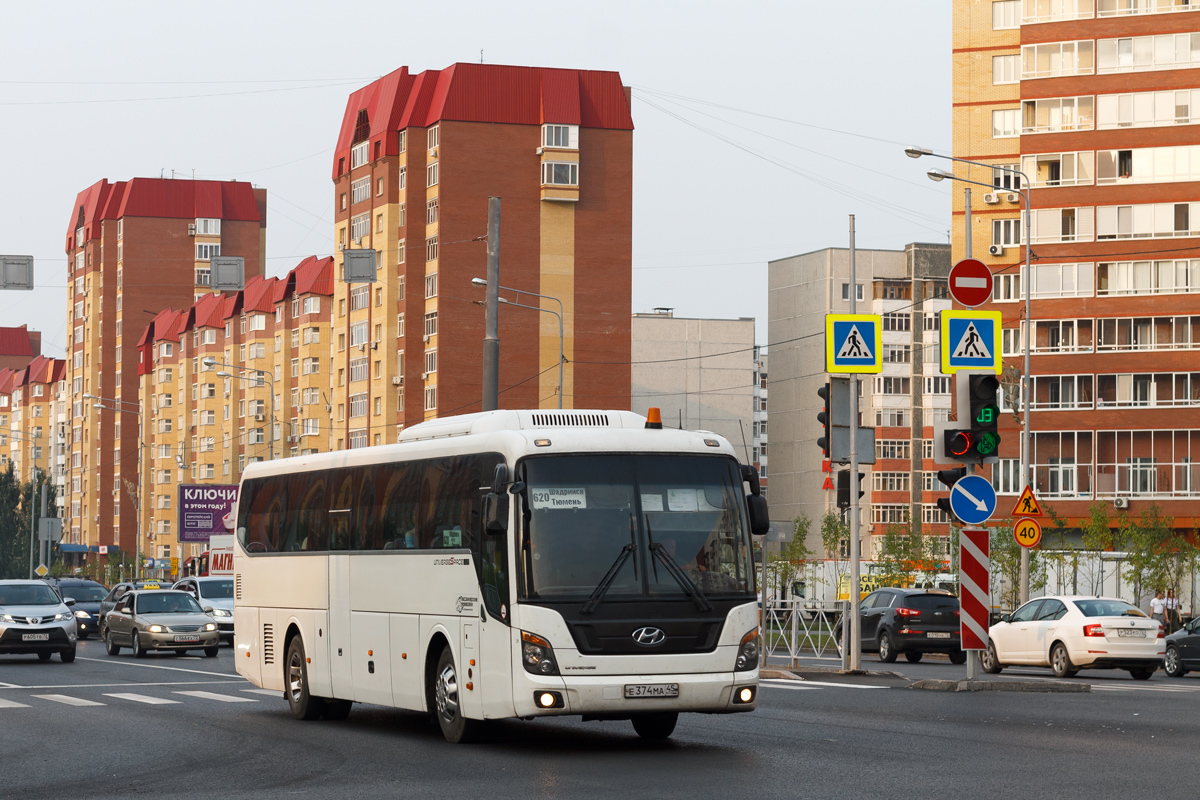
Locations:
973 500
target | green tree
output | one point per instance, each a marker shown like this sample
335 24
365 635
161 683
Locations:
14 533
1005 556
1157 557
835 540
792 557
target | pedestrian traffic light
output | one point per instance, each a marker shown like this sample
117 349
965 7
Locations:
843 488
985 415
825 417
949 477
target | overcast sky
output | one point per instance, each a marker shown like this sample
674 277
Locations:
759 126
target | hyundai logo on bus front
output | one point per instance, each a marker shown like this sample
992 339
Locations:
649 637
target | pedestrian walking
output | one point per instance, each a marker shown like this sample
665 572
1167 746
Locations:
1158 607
1171 607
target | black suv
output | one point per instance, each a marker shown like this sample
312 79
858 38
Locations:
911 621
87 596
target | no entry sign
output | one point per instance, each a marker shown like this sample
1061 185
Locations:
970 282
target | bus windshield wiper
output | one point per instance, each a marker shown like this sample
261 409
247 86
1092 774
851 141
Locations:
676 571
607 581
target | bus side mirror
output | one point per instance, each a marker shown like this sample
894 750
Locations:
495 512
750 476
760 518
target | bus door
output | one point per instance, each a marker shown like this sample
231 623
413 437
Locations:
492 616
340 672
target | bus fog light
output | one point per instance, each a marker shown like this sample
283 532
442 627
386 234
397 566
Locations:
537 655
548 699
744 695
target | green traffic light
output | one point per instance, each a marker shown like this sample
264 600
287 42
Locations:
987 443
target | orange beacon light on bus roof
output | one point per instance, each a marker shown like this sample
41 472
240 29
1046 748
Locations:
654 418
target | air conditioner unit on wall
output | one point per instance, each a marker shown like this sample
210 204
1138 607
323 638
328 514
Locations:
1121 502
192 229
991 198
259 417
1013 197
398 380
996 250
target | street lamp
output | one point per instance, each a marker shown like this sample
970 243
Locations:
211 362
1026 380
483 284
136 497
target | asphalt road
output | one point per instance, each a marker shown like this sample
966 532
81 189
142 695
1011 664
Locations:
112 726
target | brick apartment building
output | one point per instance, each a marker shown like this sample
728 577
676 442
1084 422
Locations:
33 419
19 346
133 249
1098 102
417 157
208 422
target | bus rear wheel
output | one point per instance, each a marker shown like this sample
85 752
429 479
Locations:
655 726
302 704
445 689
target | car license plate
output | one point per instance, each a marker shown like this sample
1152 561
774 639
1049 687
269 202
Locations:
636 690
1130 633
187 638
35 637
938 635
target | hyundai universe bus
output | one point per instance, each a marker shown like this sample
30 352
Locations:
505 564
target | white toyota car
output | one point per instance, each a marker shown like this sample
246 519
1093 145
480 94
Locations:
1070 633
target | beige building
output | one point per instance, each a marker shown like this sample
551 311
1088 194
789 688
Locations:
699 372
907 288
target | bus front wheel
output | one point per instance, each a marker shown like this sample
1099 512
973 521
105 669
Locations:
302 704
446 691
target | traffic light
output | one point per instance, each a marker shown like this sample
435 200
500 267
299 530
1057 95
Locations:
958 444
843 488
985 415
826 419
949 477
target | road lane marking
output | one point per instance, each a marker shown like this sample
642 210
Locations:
128 684
11 704
781 681
224 698
268 692
157 666
1176 689
10 686
67 700
143 698
793 685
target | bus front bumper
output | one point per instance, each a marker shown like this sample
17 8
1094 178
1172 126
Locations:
624 696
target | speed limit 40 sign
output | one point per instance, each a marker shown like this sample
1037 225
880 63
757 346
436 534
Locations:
1028 532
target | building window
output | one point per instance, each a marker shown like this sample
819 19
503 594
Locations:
557 173
358 155
1006 69
937 385
203 276
358 405
379 188
431 248
402 180
360 226
1006 232
562 137
1138 53
1147 109
205 252
358 369
1006 123
208 227
1158 220
358 334
360 296
897 354
430 398
360 190
403 141
433 136
431 326
896 449
890 481
312 305
379 223
897 321
431 361
846 292
892 385
888 514
1006 14
1051 114
431 285
431 174
400 252
1147 277
431 211
1056 59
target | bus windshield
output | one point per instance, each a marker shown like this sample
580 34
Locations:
581 512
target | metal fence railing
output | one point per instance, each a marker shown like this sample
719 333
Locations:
809 628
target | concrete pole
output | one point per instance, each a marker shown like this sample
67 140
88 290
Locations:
855 554
972 655
491 311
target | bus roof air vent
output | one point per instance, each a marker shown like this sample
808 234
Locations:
567 419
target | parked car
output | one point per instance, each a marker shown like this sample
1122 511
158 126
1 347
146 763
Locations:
34 619
911 621
87 596
215 596
1183 650
1070 633
164 619
119 591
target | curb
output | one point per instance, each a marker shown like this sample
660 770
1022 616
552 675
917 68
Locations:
1001 686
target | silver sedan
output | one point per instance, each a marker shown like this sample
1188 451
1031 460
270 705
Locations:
160 620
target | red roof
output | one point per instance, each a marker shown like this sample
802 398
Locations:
15 342
484 93
259 294
161 197
7 379
43 370
313 276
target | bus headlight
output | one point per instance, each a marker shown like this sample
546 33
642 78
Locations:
747 657
537 655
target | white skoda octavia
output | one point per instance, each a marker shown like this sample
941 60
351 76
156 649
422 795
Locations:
1070 633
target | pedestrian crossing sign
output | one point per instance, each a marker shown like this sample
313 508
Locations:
853 343
970 340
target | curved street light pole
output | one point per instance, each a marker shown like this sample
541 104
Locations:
258 373
559 314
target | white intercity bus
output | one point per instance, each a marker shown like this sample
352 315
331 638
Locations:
505 564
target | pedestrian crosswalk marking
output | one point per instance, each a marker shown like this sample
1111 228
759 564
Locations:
67 700
268 692
224 698
11 704
142 698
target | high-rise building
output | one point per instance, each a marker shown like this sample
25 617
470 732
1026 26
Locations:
266 390
33 419
135 248
908 289
1097 102
759 423
698 372
417 158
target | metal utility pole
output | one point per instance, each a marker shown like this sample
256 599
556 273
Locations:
1026 382
491 311
972 655
852 624
32 517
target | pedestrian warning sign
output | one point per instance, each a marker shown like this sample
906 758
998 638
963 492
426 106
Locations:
1027 505
970 340
853 343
